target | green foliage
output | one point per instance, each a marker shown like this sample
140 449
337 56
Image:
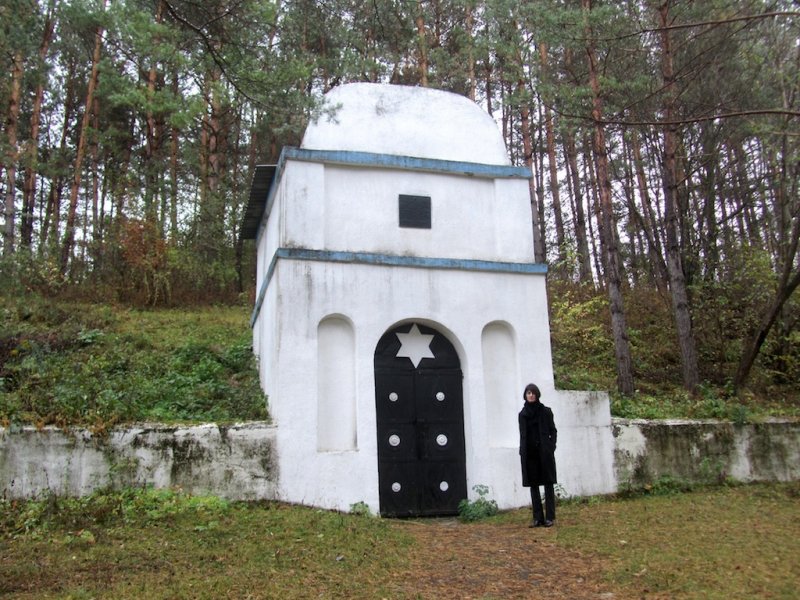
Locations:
64 363
478 509
360 509
665 485
106 508
583 352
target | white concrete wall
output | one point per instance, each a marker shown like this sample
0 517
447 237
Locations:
235 462
238 462
706 450
355 209
375 299
406 121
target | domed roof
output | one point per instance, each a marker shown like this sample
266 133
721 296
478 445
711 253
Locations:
406 121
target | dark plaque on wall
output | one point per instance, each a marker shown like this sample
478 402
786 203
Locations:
415 211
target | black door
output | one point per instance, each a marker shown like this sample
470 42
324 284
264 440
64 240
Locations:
420 415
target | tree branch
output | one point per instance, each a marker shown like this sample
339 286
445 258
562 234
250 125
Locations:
714 23
742 113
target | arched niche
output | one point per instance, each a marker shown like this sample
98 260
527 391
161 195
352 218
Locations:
500 377
336 385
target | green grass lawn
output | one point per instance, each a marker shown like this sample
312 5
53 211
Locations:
728 542
97 366
724 542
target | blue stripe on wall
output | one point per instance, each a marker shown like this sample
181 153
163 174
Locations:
371 159
367 258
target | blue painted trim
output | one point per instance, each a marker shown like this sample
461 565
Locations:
263 291
369 258
273 190
371 159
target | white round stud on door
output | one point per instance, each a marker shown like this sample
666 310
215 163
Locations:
440 396
444 486
396 487
441 439
394 440
393 397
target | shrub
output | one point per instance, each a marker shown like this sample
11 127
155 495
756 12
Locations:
478 509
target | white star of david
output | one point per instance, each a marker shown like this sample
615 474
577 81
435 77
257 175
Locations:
415 345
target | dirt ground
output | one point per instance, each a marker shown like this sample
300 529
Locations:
471 561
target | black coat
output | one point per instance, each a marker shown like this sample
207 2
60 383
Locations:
537 445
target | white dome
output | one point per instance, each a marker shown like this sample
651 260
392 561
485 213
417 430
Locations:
406 121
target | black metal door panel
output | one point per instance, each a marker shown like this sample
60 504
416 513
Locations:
420 423
443 486
440 441
397 442
438 394
394 392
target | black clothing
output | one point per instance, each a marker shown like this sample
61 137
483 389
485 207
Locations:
537 444
549 512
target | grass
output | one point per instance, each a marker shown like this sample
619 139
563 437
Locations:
722 542
727 542
95 365
150 544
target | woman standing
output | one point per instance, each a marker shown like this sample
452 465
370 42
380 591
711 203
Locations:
537 446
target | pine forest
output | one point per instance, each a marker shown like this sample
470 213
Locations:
663 137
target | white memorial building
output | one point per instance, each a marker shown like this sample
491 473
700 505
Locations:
400 312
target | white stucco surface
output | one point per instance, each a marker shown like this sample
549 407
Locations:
376 298
355 209
234 461
406 121
339 255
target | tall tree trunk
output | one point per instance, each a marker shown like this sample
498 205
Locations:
120 183
574 178
678 292
152 139
744 196
537 163
553 165
469 25
619 326
598 255
422 44
211 223
69 232
634 226
96 242
12 125
786 207
173 175
710 237
584 259
649 220
32 167
527 149
487 79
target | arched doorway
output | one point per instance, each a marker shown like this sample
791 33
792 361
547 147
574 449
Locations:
420 421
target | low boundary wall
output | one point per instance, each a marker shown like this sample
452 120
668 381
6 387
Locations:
704 451
238 462
234 461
